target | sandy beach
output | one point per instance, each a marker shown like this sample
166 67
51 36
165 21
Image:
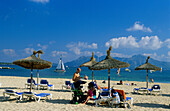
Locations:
61 98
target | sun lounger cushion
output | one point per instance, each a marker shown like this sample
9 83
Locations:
155 87
9 91
67 82
105 92
29 81
12 93
137 89
44 82
43 94
128 98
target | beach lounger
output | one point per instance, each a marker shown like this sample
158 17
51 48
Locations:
35 96
139 90
103 97
44 84
13 93
155 90
67 85
28 84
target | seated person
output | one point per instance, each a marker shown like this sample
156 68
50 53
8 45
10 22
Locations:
98 87
121 83
104 82
86 77
90 93
76 78
133 84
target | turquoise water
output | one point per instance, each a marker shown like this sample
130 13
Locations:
163 76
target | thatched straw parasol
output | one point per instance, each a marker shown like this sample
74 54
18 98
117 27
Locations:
90 63
109 63
147 66
33 62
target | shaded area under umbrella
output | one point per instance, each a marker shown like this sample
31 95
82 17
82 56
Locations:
147 66
33 62
109 63
90 63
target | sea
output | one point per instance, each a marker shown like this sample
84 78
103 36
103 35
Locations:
134 75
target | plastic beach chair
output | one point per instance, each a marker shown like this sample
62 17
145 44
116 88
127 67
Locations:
35 96
13 93
139 90
44 84
103 97
155 90
28 84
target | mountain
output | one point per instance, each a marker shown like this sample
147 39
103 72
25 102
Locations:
77 62
134 61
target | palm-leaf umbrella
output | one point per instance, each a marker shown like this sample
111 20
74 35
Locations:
109 63
33 62
147 66
90 63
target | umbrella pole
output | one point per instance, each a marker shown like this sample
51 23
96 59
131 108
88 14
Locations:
109 81
31 80
37 78
147 79
92 75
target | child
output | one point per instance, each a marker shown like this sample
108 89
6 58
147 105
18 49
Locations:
90 93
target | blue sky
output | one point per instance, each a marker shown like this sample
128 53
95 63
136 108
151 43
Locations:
75 28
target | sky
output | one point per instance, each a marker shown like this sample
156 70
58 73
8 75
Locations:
76 28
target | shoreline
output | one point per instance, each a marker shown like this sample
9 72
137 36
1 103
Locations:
89 79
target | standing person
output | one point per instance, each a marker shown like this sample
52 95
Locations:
76 78
152 80
86 77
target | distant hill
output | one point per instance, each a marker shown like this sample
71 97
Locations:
134 61
5 63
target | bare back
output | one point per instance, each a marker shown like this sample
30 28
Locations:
76 77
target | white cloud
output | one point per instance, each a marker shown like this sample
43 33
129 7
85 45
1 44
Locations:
137 26
145 54
99 54
152 42
167 43
168 53
119 55
147 42
86 45
52 42
87 53
55 53
44 47
122 42
156 56
29 50
40 1
10 52
77 47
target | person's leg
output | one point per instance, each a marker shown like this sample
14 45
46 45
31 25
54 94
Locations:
87 100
